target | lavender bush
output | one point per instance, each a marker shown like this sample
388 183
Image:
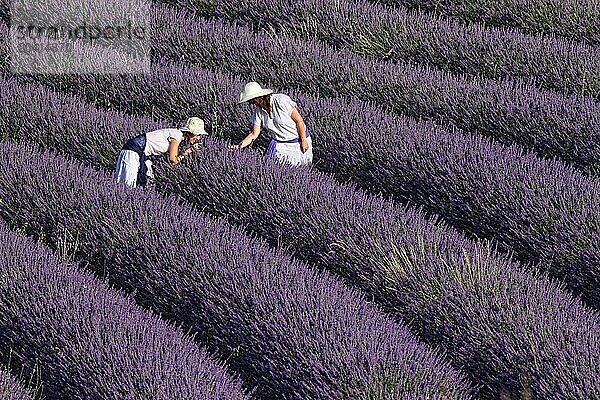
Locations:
484 310
11 388
91 341
294 333
542 211
577 20
399 35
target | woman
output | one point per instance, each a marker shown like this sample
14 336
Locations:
290 140
134 166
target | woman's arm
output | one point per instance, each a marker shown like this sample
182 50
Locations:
174 151
297 118
252 136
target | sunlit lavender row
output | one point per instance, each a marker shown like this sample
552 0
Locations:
366 28
87 340
492 339
574 19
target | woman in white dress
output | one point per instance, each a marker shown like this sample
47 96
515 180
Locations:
134 165
277 113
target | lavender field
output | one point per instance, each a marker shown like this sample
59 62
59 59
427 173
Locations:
444 244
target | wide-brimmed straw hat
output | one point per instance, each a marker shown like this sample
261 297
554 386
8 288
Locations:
251 91
195 126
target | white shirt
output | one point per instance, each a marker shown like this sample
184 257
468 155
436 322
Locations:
157 142
280 124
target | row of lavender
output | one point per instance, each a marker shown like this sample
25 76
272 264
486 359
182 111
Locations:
552 125
574 19
541 210
87 340
293 333
480 307
367 28
11 388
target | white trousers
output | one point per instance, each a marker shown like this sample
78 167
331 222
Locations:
128 165
290 153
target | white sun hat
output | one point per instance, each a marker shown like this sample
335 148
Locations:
251 91
195 126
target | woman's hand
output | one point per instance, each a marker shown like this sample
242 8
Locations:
189 151
248 139
304 146
301 128
196 146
